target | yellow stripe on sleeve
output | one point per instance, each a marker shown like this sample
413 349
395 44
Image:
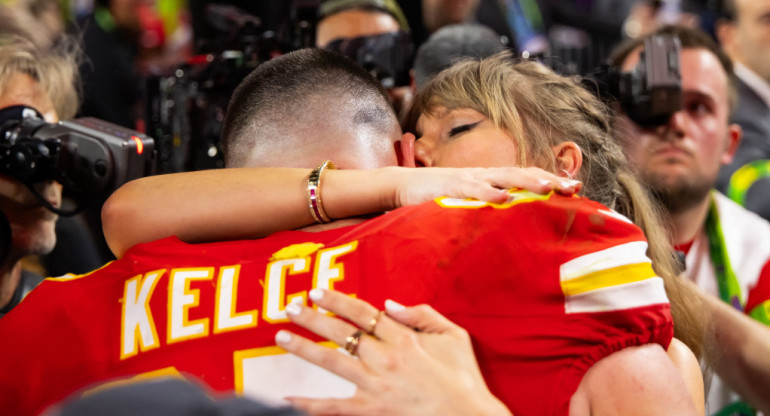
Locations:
609 277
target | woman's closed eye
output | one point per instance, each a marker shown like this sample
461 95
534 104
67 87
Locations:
463 128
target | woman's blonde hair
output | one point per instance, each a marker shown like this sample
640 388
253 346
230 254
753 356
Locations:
541 109
55 70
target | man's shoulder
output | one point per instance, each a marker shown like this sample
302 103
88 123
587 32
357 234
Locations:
748 95
168 248
519 201
746 238
524 213
742 229
637 380
739 218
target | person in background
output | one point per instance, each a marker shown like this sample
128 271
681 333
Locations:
44 80
744 34
373 33
354 18
451 44
439 13
726 247
42 30
165 397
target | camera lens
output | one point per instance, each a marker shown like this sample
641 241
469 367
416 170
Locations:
100 167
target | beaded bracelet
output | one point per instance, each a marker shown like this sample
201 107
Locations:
314 192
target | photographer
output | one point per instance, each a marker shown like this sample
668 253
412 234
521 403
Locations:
726 247
373 33
44 81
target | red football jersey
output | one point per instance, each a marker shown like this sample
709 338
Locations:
545 285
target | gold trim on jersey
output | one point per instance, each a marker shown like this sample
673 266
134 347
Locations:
71 276
516 196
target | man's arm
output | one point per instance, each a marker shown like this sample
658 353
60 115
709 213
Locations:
688 367
635 381
742 352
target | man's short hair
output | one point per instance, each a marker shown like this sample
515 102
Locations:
278 100
391 7
728 10
690 39
451 44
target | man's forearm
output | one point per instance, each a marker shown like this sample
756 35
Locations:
741 354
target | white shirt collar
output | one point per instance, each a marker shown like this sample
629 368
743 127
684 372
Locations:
754 81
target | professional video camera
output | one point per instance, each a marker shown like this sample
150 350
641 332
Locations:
89 157
185 109
652 91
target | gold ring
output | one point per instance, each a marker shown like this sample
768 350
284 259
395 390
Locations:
374 321
351 342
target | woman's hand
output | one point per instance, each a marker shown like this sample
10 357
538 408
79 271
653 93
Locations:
409 360
485 184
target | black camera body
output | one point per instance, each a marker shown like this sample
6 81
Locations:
652 91
89 157
388 56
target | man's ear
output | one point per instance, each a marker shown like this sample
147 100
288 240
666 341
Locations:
725 33
569 159
405 150
734 135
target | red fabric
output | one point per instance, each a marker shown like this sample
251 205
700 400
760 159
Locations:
761 292
494 271
685 248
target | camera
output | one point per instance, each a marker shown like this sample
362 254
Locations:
652 91
89 157
387 56
185 108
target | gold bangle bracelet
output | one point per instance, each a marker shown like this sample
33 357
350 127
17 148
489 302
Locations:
314 192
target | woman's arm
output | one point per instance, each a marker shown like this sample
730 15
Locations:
238 203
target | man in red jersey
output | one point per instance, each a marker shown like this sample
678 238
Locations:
211 310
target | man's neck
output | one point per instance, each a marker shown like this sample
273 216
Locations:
758 84
10 276
688 223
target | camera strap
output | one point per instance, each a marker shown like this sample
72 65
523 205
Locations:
44 202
